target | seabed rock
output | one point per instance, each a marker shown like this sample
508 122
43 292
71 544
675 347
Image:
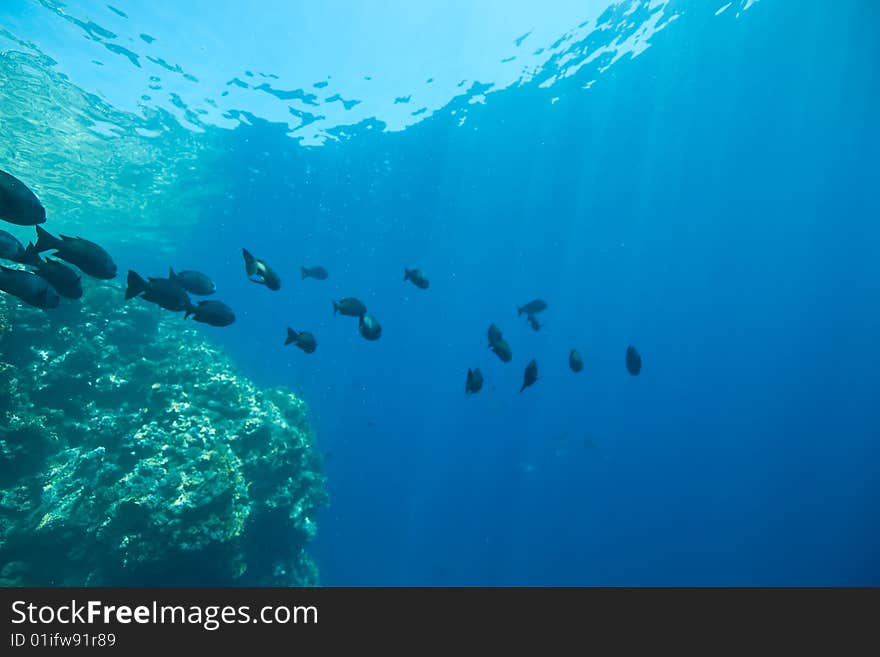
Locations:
131 453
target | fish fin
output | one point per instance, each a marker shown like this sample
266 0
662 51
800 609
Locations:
257 282
45 240
250 263
136 285
291 336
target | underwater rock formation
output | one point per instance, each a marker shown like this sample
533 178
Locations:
131 453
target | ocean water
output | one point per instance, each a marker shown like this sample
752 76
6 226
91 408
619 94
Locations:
698 179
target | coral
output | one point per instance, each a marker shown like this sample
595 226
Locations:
131 453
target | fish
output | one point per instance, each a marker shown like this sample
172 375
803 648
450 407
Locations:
633 361
575 362
417 277
164 292
90 258
502 350
350 306
302 339
474 381
535 324
532 307
30 288
18 204
318 273
369 327
530 375
65 280
495 335
265 275
194 282
10 247
213 313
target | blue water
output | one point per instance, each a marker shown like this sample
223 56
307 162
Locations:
713 201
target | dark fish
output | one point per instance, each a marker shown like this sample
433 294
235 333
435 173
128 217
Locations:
164 292
633 361
90 258
535 324
61 277
474 382
532 307
502 350
417 276
265 275
530 375
10 247
30 288
194 282
369 327
318 273
575 362
350 306
495 335
214 313
18 204
303 339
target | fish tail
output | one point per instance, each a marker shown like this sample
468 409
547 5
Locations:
136 285
31 256
171 273
519 311
335 307
305 272
250 263
45 240
406 274
291 336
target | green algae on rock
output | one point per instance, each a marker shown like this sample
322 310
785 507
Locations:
131 453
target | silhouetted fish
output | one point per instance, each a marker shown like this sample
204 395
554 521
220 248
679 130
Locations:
530 375
18 204
502 350
302 339
213 312
633 361
349 306
318 273
194 282
535 324
495 335
10 247
418 278
369 327
30 288
90 258
532 307
164 292
575 362
265 275
474 381
64 279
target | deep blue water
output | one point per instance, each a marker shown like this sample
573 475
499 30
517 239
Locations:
713 202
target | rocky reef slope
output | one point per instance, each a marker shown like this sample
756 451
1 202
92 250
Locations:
131 453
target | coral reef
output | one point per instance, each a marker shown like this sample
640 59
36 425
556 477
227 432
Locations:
131 453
